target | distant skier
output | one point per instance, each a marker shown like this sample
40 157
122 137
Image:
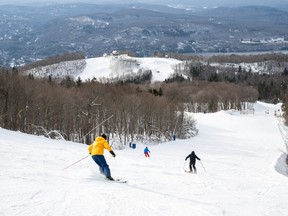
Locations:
192 163
146 152
96 150
174 137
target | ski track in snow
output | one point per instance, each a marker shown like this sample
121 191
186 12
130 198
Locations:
245 173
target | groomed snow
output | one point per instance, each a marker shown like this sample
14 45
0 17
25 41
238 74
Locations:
242 155
113 67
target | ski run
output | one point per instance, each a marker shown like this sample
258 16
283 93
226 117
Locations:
243 173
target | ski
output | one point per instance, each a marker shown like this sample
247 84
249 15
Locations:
117 181
187 171
120 181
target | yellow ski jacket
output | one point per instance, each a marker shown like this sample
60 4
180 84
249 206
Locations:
98 146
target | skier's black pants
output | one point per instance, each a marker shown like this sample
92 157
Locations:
194 167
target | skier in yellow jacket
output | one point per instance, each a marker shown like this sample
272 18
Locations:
96 150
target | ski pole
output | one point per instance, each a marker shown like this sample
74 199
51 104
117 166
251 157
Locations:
77 161
97 126
203 166
184 165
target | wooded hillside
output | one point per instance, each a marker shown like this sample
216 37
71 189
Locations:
144 111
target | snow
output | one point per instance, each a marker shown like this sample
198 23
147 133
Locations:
116 67
243 156
109 68
119 66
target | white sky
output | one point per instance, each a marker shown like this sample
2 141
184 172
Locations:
242 154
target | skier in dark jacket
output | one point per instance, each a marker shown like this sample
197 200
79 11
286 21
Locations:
192 163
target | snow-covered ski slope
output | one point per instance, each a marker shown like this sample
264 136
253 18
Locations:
242 155
111 67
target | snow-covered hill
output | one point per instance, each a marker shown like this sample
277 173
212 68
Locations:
111 67
119 67
242 155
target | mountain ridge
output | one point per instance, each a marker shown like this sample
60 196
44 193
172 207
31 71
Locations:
31 33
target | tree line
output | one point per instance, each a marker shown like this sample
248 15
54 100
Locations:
143 111
71 110
152 112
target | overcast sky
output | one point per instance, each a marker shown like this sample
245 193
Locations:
174 2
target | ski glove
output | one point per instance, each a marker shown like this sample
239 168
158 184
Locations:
112 153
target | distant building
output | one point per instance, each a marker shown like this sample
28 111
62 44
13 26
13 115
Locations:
115 53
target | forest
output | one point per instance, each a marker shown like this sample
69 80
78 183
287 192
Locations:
152 112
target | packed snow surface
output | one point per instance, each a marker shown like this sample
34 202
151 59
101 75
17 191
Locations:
118 67
242 172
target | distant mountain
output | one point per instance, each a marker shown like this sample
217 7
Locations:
31 33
